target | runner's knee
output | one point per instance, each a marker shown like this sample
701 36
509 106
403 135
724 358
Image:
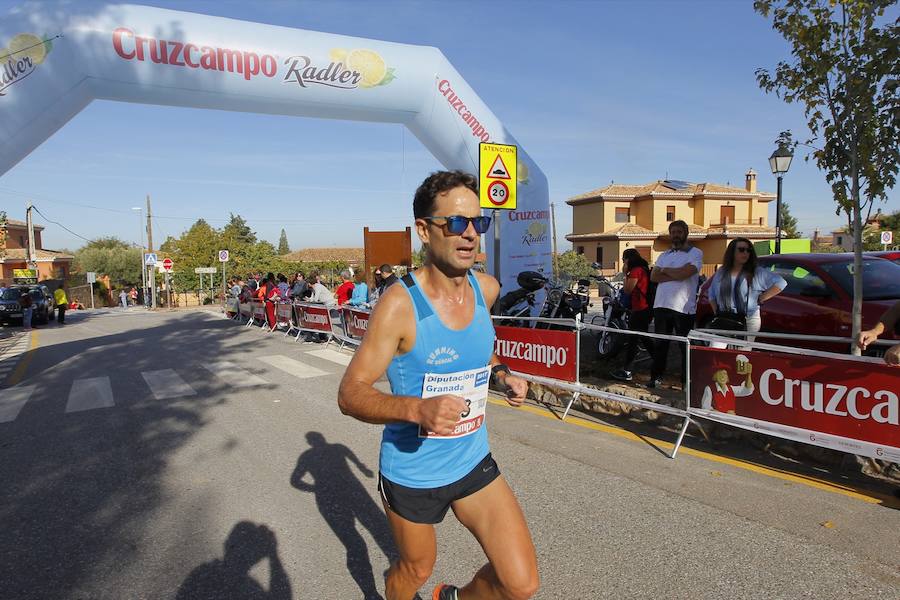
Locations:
521 586
416 571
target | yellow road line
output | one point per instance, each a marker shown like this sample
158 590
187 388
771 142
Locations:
19 372
835 488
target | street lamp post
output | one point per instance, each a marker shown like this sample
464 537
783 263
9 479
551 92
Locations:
780 162
140 210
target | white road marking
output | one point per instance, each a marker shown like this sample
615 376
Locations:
332 355
233 375
166 383
12 400
89 394
292 367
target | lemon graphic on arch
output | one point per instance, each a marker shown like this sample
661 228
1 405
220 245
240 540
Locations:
521 172
28 45
4 55
537 229
370 65
338 55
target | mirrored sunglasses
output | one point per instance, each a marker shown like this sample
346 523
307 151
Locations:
457 224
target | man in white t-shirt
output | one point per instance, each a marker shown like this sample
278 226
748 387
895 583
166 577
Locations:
677 272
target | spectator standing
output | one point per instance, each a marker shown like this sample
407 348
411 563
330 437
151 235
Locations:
59 296
360 295
123 298
132 296
637 283
888 321
299 286
387 278
268 293
345 290
27 304
320 295
236 287
677 272
738 289
283 287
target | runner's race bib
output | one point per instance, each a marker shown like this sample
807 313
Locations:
470 385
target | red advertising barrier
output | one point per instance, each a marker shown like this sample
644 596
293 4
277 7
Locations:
356 321
313 317
845 405
544 352
259 311
283 314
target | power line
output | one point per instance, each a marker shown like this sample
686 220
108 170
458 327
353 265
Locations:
60 224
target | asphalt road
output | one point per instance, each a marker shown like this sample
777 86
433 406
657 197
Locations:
179 455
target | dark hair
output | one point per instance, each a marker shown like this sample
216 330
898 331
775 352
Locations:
438 183
386 270
680 223
632 258
728 260
282 277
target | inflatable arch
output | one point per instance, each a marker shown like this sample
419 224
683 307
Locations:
56 59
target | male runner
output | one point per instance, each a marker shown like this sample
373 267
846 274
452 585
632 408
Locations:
435 326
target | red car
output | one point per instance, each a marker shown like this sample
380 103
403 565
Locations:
891 255
818 298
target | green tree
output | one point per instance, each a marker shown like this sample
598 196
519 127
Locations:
110 256
788 223
573 265
197 247
283 247
418 257
843 70
237 232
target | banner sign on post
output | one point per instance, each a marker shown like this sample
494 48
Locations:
845 405
544 352
356 322
25 276
497 167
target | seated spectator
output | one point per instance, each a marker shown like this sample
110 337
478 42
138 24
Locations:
360 295
345 290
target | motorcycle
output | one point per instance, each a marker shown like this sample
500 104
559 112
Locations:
560 301
614 316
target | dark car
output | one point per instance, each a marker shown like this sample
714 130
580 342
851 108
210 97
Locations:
11 309
818 299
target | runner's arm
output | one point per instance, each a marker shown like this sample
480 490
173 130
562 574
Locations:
392 323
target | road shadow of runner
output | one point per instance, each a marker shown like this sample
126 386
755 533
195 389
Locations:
247 544
342 500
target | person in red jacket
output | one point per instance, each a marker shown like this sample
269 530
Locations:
345 290
268 292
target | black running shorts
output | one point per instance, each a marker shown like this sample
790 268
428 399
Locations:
430 505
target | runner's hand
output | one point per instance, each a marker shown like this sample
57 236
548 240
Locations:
441 413
516 389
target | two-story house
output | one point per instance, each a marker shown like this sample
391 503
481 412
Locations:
14 254
608 220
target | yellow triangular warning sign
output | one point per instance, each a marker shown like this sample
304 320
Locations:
498 170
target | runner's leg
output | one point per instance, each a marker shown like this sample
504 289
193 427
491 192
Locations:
417 546
494 517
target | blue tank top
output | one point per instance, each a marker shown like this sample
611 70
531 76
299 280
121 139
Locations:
406 458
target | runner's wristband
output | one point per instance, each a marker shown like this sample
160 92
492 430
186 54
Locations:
501 368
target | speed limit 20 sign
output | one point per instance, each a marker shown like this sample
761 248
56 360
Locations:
497 176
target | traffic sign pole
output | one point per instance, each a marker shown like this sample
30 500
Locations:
497 182
496 221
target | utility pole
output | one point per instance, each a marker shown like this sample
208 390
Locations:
553 227
150 247
31 252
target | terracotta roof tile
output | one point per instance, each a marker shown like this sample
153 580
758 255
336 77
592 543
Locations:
20 254
19 223
626 192
348 255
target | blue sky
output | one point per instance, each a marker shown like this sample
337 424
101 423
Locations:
631 91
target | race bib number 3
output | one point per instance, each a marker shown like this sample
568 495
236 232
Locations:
470 385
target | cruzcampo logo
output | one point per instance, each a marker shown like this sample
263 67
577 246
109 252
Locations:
22 55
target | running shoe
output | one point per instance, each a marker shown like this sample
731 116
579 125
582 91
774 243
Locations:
445 592
621 375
